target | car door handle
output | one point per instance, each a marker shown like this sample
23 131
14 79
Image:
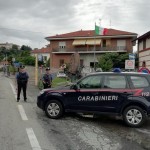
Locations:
95 93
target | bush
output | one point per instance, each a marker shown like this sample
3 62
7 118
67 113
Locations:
40 84
29 60
13 69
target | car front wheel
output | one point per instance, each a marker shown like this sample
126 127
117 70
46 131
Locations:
54 109
134 116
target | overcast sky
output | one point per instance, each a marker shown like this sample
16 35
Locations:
28 22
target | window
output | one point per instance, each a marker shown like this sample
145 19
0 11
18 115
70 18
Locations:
115 82
62 45
92 64
81 62
121 44
91 82
144 44
104 43
45 58
139 82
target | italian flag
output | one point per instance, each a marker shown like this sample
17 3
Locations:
100 30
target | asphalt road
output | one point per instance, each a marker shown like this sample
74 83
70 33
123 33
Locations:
23 126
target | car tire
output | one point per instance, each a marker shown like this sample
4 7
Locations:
54 109
134 116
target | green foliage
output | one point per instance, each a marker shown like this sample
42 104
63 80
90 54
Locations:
112 60
40 84
12 69
41 63
59 81
48 63
22 55
14 47
25 48
105 63
28 60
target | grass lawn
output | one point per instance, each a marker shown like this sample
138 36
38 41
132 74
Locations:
56 82
59 81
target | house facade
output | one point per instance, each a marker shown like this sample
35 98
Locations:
144 50
43 53
88 45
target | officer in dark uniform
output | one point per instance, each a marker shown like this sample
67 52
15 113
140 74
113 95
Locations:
22 80
47 79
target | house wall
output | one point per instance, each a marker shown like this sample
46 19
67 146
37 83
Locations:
43 54
147 43
144 55
129 45
87 58
55 59
140 46
55 44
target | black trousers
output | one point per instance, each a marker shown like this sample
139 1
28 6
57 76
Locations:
46 86
24 87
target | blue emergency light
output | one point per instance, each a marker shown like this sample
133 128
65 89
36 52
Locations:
117 70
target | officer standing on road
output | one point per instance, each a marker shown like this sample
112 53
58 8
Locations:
22 80
47 79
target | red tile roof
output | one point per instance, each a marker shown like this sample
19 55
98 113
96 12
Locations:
90 33
42 50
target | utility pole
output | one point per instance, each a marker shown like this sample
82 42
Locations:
36 69
6 65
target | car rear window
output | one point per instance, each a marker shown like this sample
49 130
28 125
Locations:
139 82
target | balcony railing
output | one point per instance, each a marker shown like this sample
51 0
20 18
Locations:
84 49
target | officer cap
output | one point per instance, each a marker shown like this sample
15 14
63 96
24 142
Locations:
47 69
22 67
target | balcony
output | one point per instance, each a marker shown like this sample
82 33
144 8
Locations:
91 49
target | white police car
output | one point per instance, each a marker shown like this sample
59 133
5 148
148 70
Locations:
123 94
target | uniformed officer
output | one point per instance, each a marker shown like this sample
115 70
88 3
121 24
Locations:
47 79
22 80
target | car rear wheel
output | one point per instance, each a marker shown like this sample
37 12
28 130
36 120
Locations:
134 116
54 109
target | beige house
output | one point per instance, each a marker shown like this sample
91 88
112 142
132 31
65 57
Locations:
144 50
43 53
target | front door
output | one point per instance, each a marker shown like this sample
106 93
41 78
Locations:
84 97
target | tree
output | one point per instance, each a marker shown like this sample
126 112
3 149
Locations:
14 47
25 48
105 63
112 60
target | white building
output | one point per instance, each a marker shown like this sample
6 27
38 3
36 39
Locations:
8 45
43 53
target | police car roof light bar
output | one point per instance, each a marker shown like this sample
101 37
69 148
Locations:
117 70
